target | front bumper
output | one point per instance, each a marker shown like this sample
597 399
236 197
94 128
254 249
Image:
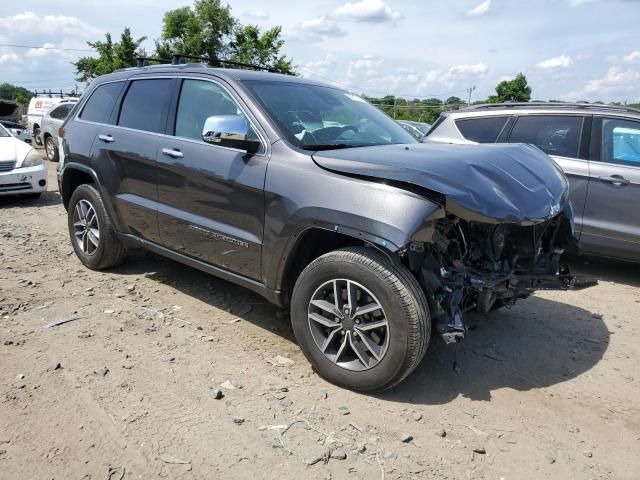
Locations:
24 180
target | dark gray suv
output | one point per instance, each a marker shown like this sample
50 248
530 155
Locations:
315 199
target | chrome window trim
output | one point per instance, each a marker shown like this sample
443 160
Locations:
265 144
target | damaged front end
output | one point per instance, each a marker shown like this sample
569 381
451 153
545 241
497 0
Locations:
501 220
467 266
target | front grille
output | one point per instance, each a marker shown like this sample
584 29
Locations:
14 187
7 166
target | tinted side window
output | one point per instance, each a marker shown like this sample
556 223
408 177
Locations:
61 112
145 104
199 100
620 141
481 130
553 134
100 105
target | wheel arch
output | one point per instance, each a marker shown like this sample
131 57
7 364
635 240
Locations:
313 242
71 177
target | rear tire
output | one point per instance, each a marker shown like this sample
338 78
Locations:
365 357
51 149
91 232
36 136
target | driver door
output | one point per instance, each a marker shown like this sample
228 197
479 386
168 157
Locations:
211 197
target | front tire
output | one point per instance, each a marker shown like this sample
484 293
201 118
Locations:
362 321
91 232
51 149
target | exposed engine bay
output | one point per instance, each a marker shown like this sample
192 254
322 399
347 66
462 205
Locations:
472 266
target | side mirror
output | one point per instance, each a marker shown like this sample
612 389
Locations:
230 131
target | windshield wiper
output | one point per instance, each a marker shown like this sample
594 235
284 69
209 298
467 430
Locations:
335 146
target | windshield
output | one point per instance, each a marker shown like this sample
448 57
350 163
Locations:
3 132
317 118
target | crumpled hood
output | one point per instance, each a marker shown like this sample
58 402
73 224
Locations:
496 183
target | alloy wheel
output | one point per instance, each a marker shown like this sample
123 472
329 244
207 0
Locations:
86 227
348 324
51 148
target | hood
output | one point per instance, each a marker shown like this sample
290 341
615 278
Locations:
496 183
12 149
10 111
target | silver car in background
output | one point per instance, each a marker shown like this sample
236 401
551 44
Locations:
416 129
51 122
597 146
18 131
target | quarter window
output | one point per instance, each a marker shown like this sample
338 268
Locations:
554 135
481 130
198 101
61 112
145 104
100 105
620 141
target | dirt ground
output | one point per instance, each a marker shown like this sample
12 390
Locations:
547 389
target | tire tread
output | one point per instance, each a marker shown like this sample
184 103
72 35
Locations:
405 286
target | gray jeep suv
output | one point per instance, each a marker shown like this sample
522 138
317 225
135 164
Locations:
315 199
597 146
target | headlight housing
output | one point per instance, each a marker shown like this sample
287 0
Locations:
33 159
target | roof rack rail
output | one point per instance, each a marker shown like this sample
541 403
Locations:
144 61
180 59
51 93
575 105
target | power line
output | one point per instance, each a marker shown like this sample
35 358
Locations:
48 48
46 80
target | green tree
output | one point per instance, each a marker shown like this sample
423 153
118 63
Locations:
204 30
453 101
208 29
15 93
516 90
111 56
260 48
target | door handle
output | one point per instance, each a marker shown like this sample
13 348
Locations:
617 180
172 152
106 138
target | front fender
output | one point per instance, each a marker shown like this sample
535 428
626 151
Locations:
301 195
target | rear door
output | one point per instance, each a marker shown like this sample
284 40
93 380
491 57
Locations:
611 218
566 139
211 198
125 155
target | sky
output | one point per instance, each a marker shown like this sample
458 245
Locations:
568 49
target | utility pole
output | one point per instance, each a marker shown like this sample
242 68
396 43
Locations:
470 90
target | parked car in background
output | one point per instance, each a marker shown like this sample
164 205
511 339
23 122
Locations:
38 107
21 168
416 129
317 200
597 146
51 122
18 131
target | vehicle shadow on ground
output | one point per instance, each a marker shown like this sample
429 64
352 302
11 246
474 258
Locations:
536 344
45 200
210 290
625 273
